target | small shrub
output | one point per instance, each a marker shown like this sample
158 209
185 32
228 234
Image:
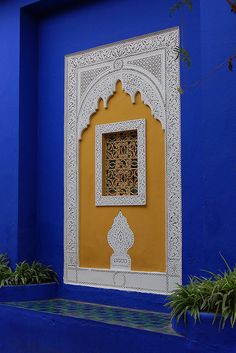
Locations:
216 295
34 273
5 271
25 273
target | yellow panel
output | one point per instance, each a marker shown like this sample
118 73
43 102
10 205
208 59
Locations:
147 222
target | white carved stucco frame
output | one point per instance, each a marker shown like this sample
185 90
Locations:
118 200
147 65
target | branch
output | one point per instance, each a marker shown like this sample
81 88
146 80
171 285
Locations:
181 4
184 56
232 5
230 62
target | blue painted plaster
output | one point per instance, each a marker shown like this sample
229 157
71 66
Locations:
28 292
49 333
9 126
27 205
219 136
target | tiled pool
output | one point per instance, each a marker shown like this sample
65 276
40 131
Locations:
133 318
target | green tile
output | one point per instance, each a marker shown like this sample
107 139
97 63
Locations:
139 319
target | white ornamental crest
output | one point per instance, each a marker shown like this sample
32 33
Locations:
120 238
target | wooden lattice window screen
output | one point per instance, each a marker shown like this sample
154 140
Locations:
120 163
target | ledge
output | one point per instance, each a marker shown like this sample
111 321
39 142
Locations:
28 292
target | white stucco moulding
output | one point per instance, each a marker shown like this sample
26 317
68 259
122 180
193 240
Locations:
148 65
120 238
139 199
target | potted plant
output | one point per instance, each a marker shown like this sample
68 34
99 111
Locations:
28 281
204 310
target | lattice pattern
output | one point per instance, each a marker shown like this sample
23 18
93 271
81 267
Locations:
151 64
88 76
120 179
121 163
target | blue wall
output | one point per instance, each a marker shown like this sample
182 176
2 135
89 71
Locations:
27 137
10 130
31 128
9 126
219 135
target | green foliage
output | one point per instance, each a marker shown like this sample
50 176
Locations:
181 4
180 90
34 273
5 270
25 273
184 56
216 294
232 5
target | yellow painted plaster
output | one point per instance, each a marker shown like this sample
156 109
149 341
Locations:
147 222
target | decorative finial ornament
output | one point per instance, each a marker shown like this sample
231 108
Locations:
120 238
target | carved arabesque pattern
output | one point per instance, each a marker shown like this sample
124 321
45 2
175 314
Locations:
120 238
122 200
70 223
88 76
151 64
132 82
126 49
120 163
165 107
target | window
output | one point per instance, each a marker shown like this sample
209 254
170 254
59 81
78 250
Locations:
121 163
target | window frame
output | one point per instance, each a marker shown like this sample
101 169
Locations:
121 200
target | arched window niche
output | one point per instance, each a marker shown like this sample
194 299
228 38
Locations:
122 166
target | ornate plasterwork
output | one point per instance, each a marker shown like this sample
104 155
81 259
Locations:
139 199
92 75
120 163
120 238
133 81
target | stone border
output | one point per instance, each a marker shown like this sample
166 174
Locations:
147 65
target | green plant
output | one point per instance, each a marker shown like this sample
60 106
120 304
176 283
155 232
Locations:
181 4
5 270
34 273
216 295
184 55
182 52
232 5
24 273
